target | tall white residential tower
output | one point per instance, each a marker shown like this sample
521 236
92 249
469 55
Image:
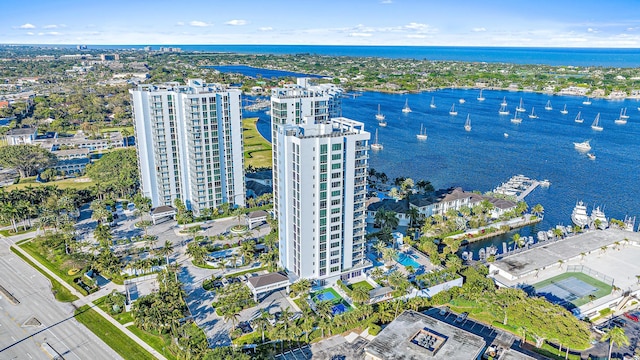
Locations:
190 145
295 103
321 187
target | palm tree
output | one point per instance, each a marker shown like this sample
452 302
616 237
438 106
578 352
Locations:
537 210
231 315
414 215
307 326
558 233
166 250
518 240
389 254
285 315
379 247
360 295
262 322
324 309
301 287
615 336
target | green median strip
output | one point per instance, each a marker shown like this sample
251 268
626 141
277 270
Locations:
111 335
61 293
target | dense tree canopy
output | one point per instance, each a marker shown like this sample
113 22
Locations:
116 171
26 159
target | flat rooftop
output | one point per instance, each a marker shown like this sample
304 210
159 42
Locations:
541 257
396 340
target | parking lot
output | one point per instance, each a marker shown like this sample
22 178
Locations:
627 321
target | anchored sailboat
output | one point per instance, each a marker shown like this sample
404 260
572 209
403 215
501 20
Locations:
423 133
548 106
578 119
533 114
406 108
503 110
433 103
379 116
516 119
480 97
467 124
453 111
520 107
596 124
376 145
564 110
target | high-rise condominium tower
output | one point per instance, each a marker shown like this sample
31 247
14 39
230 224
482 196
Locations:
321 187
190 145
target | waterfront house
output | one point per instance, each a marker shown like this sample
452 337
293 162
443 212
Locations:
437 203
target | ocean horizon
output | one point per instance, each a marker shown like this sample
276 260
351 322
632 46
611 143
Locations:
556 56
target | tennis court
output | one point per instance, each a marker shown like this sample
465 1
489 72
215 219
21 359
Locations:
572 289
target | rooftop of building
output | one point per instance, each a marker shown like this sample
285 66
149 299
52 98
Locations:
413 335
22 131
162 209
544 256
397 206
71 152
257 214
267 279
500 203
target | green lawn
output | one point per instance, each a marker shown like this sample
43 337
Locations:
122 318
33 251
111 335
159 342
364 284
257 150
80 183
603 288
60 292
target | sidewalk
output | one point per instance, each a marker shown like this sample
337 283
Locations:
88 300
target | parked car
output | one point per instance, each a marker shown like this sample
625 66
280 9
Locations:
245 327
619 322
444 310
462 317
631 317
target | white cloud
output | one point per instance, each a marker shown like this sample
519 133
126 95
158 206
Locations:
197 23
237 22
54 33
419 27
27 26
359 34
52 26
478 29
416 36
30 33
180 23
386 2
265 28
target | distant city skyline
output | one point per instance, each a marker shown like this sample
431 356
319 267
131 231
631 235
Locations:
585 23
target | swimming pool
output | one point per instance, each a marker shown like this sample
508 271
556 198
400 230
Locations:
406 260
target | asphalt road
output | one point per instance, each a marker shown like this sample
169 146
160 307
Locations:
58 328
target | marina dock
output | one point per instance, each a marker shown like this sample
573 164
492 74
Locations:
519 186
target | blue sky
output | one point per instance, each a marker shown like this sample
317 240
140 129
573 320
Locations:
559 23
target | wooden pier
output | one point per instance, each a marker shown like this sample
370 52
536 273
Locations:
519 186
528 190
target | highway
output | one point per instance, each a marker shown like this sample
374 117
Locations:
39 327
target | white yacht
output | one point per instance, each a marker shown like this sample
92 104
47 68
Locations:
406 108
596 124
579 215
423 133
533 114
564 111
591 156
503 110
587 102
467 124
461 101
379 116
583 146
376 145
578 119
433 103
520 107
453 111
598 214
382 123
480 97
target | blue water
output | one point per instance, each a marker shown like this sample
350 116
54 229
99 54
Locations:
484 158
517 55
407 260
259 72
